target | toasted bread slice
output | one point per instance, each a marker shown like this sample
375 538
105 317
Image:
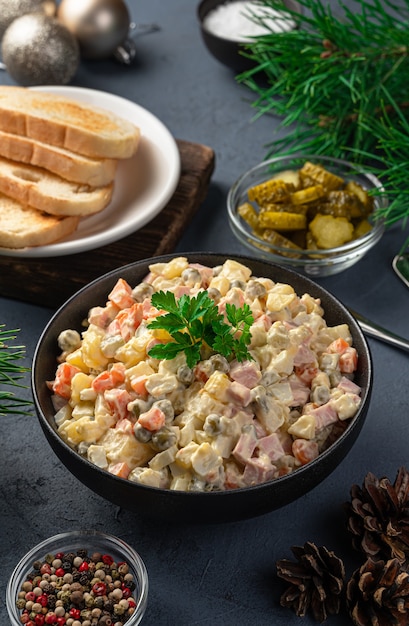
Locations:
75 167
67 123
23 226
50 193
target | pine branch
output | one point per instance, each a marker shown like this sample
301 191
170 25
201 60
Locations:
339 84
11 372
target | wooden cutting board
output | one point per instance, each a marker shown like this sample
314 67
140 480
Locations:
50 281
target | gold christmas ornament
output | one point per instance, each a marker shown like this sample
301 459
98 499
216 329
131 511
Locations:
11 9
99 26
38 50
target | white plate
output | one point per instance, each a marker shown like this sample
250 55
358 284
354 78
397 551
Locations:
143 184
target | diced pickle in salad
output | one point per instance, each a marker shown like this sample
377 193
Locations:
222 423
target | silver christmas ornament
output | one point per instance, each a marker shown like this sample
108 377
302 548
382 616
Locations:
100 26
11 9
38 50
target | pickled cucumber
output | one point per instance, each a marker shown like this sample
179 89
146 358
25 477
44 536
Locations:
309 208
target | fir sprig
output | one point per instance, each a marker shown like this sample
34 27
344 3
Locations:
339 84
195 321
11 372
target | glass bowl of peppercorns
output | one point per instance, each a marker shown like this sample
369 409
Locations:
78 578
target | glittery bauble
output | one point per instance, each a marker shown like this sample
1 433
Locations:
38 50
100 26
11 9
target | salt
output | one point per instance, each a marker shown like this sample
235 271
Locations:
239 21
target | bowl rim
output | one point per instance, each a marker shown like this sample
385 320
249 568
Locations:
92 536
299 472
304 257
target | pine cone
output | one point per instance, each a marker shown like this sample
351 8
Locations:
378 594
316 581
378 517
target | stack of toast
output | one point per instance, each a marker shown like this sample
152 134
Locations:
58 160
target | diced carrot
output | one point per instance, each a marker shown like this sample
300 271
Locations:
338 345
63 377
121 294
138 384
129 319
119 469
152 420
109 379
304 450
117 401
348 361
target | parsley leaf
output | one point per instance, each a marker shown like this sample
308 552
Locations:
195 321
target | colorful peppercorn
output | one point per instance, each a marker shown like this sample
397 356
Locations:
76 589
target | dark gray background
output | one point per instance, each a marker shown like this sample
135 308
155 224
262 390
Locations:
218 575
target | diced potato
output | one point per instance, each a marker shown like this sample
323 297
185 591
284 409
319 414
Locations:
205 460
83 429
221 283
217 385
75 358
170 270
163 459
183 457
304 427
233 270
91 352
280 297
79 382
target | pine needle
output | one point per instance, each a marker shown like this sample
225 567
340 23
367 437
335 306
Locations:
339 84
11 372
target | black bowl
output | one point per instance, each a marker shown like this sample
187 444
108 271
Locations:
180 506
228 51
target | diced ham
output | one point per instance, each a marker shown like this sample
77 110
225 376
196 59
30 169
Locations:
324 415
305 356
246 445
246 373
124 426
348 386
262 320
233 478
234 296
206 273
102 316
271 446
257 471
239 394
301 392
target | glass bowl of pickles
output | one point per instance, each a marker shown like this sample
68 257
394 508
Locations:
316 214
